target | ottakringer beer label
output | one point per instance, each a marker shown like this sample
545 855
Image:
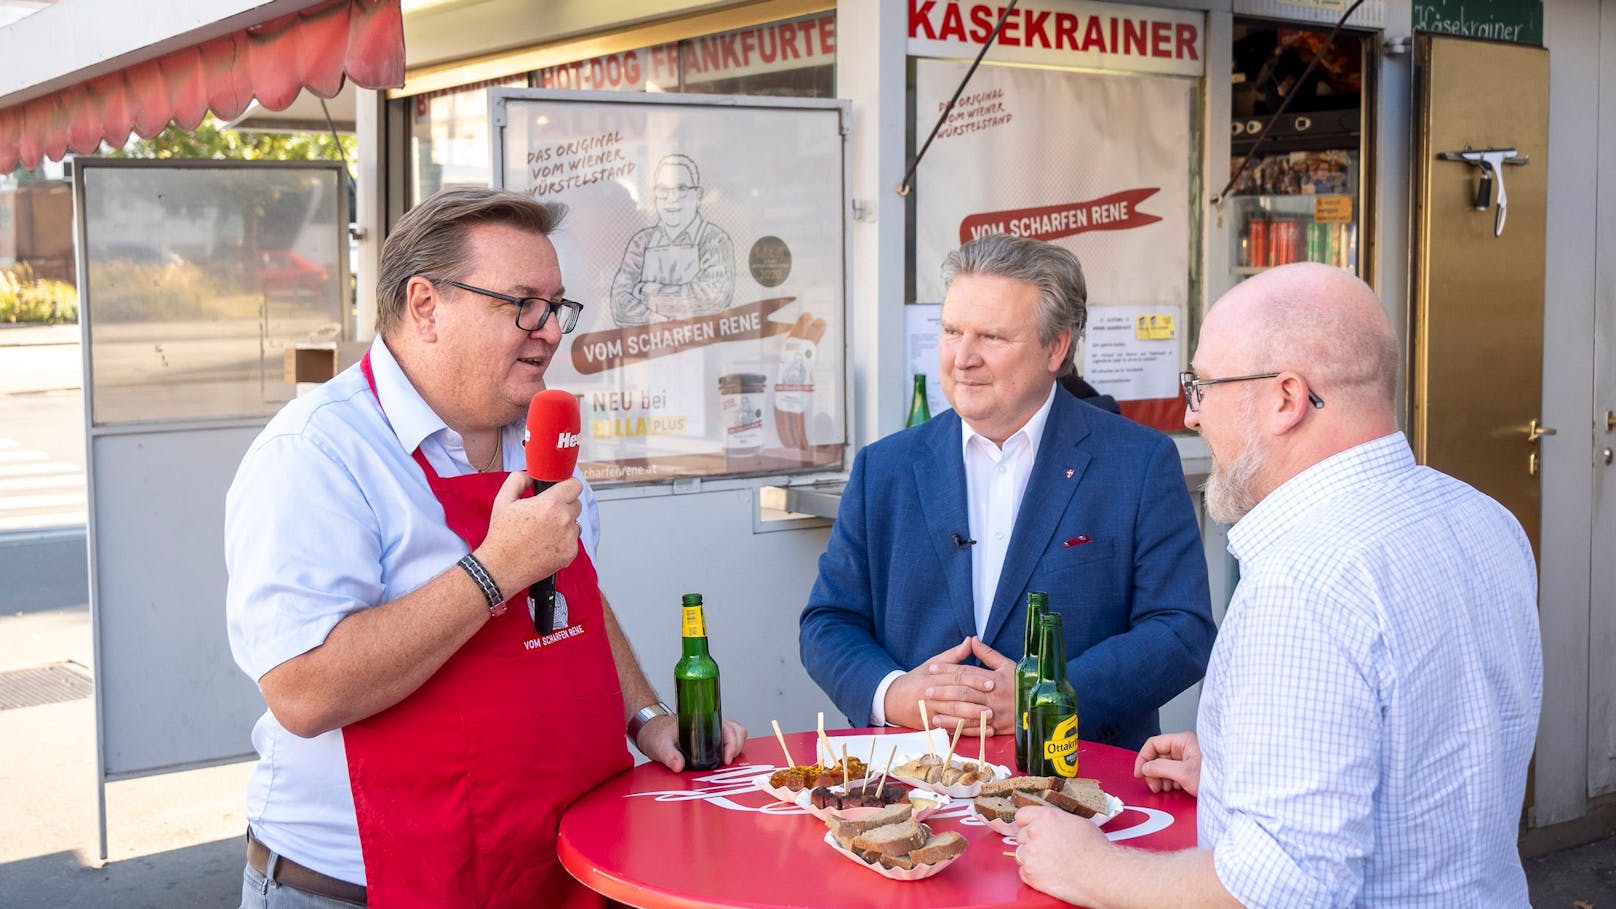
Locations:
1061 748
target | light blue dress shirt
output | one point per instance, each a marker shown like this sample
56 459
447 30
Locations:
1373 696
329 514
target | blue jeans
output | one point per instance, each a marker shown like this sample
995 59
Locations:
259 892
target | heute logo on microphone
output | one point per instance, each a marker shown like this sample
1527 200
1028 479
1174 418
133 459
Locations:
566 440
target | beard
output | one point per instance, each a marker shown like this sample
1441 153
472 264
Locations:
1230 488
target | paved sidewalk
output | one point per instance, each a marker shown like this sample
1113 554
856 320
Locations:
23 334
174 841
39 358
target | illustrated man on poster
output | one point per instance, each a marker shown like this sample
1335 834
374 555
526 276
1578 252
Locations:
681 266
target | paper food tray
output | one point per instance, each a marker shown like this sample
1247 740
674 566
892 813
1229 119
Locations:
1114 807
919 872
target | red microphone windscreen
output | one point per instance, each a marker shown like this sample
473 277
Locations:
553 424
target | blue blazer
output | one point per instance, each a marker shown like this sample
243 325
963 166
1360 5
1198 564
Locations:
894 589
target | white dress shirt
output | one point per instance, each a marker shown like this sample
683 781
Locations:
995 480
330 514
1373 695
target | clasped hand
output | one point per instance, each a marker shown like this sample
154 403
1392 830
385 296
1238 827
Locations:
956 693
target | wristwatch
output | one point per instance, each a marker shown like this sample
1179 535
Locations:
645 715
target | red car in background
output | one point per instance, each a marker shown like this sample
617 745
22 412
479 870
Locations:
281 271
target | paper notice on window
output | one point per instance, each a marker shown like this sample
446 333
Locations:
1134 354
922 332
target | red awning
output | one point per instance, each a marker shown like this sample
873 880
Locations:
315 48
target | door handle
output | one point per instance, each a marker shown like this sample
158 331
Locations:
1610 422
1535 431
1491 161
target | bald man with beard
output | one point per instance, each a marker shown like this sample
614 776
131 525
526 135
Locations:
1373 695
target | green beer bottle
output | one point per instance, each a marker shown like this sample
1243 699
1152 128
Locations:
919 408
1052 714
695 683
1027 671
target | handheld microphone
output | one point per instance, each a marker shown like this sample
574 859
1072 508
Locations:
553 427
961 541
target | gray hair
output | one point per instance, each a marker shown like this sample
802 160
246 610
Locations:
1062 293
430 240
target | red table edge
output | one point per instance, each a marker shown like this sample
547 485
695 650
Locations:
620 889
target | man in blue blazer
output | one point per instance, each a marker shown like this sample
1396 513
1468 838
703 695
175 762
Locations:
944 528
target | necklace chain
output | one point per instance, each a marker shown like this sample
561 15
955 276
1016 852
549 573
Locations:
499 449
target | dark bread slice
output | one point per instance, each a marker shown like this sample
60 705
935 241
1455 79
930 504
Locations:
1061 800
1030 800
940 848
1020 784
1082 797
892 839
1090 798
996 808
844 832
891 814
845 829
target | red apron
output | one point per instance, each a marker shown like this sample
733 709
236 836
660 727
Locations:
459 788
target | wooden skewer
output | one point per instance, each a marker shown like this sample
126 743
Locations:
824 742
884 771
958 728
925 726
1011 854
780 737
982 742
845 781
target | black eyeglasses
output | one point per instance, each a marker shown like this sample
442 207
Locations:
536 310
1193 386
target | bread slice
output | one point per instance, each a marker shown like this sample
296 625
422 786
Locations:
892 839
996 808
1080 797
1030 800
845 829
903 862
1019 784
891 814
1088 795
1061 800
940 848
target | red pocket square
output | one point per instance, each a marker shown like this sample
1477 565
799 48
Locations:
1077 541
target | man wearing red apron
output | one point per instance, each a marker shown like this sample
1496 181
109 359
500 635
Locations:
423 736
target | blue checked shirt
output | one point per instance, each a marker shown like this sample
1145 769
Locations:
1373 695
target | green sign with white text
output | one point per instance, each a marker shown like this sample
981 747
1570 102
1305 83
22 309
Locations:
1516 21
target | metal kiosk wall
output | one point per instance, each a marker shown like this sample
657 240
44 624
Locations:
195 279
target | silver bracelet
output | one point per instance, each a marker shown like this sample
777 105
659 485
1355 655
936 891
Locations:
485 583
645 715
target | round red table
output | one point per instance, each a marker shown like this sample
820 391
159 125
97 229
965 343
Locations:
661 840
